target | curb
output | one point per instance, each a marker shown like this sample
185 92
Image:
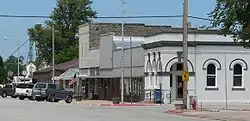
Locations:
128 105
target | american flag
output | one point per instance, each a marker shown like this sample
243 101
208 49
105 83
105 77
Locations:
74 80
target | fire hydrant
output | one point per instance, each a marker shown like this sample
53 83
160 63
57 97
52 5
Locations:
194 104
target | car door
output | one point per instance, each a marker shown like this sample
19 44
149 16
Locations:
61 92
9 90
52 89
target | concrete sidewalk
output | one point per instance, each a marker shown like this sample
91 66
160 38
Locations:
110 103
94 102
239 107
223 115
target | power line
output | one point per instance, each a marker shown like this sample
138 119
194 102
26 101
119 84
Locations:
19 47
205 19
106 17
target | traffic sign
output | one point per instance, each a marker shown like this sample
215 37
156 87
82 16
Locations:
185 76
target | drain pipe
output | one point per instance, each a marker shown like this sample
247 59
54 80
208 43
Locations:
226 95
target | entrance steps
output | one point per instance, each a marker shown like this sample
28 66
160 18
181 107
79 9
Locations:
147 102
177 102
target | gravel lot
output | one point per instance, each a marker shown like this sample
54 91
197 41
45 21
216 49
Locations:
17 110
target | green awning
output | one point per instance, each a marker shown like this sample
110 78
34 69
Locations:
68 75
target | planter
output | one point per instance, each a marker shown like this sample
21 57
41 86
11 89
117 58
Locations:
116 102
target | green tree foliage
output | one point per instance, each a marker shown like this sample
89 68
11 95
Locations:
233 18
11 64
3 72
65 19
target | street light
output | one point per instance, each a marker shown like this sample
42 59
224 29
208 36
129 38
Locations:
10 73
122 62
18 58
24 73
53 50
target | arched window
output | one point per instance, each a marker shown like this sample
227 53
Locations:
211 75
237 77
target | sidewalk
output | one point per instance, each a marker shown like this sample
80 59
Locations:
223 115
239 107
94 102
110 103
235 113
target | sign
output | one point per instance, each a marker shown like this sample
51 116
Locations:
185 76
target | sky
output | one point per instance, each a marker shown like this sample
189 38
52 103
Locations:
13 30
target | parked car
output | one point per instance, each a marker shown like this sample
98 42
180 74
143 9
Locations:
24 90
8 90
51 93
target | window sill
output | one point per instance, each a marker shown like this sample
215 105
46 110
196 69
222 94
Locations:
211 88
238 89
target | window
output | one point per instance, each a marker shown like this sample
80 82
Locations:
60 87
211 75
237 77
94 71
40 86
51 86
179 67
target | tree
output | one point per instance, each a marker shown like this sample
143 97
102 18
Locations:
3 72
65 19
11 64
233 18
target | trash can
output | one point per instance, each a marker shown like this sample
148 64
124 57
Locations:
157 96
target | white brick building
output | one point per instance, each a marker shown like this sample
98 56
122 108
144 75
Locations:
218 67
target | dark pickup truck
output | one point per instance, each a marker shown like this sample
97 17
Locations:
8 90
51 93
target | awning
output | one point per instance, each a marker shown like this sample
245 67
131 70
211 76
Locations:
67 75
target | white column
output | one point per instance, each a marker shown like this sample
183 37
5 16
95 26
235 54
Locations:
155 81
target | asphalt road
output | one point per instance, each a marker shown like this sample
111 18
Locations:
17 110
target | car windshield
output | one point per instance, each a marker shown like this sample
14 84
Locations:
40 86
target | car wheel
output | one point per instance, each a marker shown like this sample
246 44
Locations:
38 99
13 96
32 98
69 99
4 95
52 98
21 98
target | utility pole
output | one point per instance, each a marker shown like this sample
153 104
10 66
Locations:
131 71
18 61
53 54
122 59
185 50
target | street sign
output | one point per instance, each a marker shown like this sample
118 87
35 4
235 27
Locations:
185 76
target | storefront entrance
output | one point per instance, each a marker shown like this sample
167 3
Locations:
179 87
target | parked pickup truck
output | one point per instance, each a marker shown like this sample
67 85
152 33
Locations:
24 90
8 90
51 93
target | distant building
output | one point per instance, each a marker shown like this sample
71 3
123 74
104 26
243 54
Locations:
45 75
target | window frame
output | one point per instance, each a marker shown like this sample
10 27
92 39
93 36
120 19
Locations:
238 75
211 75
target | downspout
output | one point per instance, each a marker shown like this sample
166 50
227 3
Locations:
195 37
226 95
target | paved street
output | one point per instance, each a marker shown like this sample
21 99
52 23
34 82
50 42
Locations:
17 110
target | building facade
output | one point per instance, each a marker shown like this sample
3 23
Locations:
100 58
217 66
